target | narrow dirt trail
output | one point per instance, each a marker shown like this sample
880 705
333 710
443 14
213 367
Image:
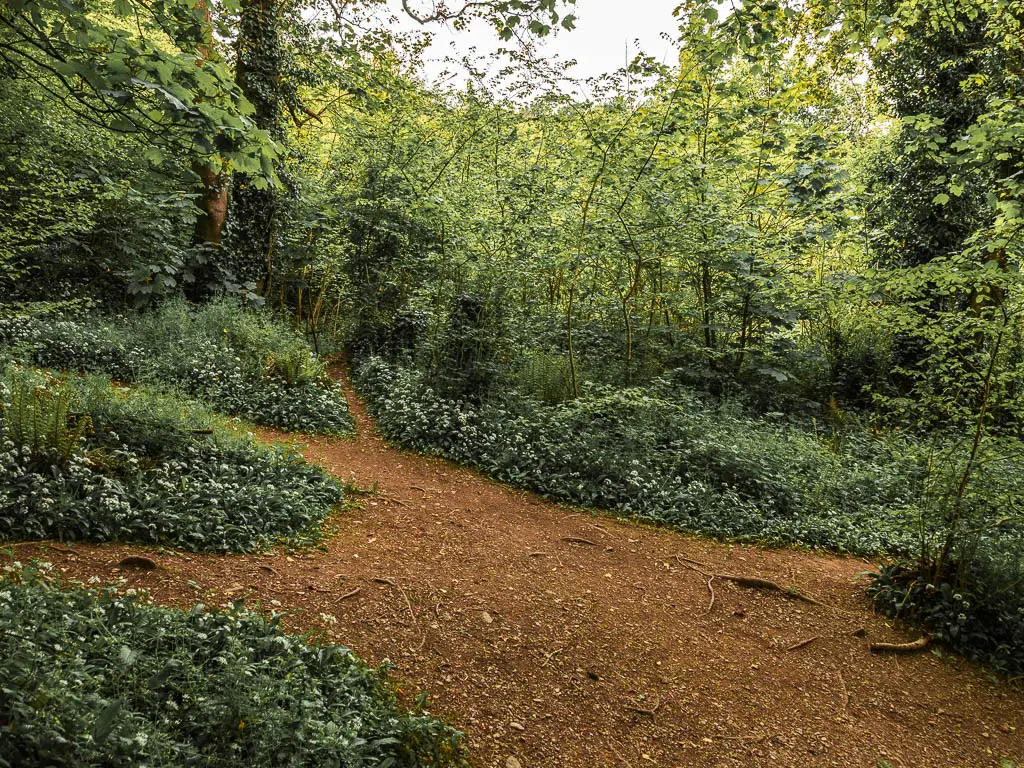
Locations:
556 639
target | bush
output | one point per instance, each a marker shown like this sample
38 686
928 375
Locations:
157 469
239 361
662 455
101 680
981 617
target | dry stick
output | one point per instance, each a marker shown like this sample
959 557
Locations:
846 693
408 604
651 711
353 593
618 754
711 589
692 562
917 645
578 540
685 562
803 643
549 656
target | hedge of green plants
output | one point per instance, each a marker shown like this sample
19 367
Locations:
81 459
238 360
667 458
982 618
94 679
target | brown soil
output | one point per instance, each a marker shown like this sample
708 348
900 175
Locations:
563 639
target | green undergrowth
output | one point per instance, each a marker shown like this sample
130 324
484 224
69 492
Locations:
239 361
97 679
982 617
668 458
82 459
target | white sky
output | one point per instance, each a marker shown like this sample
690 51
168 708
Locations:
606 37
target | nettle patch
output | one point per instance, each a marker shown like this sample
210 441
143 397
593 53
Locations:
100 679
82 460
239 361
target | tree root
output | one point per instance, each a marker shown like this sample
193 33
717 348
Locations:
749 582
901 648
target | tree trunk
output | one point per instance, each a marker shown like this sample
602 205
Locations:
212 204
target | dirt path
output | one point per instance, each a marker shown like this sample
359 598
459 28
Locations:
562 640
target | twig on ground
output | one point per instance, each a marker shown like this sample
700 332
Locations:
901 648
692 562
846 693
651 711
711 589
611 746
408 604
549 656
578 540
803 643
685 562
353 593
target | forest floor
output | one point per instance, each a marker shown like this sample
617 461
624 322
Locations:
555 638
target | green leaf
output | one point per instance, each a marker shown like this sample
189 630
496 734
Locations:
105 722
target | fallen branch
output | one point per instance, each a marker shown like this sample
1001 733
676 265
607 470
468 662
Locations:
803 643
353 593
901 648
846 693
578 540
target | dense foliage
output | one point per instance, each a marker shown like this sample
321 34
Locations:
767 288
239 362
100 679
83 460
983 618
